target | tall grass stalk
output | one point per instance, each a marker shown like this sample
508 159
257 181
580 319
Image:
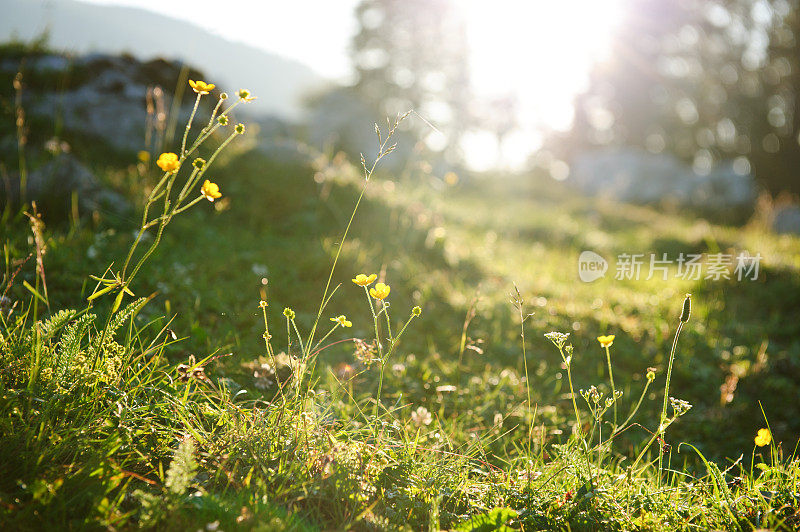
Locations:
685 313
611 378
384 149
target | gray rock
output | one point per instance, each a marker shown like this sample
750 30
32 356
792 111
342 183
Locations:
52 186
636 176
118 119
786 220
109 98
50 63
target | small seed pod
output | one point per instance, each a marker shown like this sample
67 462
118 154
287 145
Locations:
687 308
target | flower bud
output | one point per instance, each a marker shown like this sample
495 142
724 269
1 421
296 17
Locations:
239 129
687 308
416 311
223 120
199 163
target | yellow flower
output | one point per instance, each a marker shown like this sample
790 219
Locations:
381 291
201 87
342 320
245 96
210 191
168 162
364 280
143 156
764 437
606 341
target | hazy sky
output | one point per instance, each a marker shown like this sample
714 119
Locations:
315 32
539 50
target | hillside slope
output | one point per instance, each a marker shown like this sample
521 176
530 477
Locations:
80 27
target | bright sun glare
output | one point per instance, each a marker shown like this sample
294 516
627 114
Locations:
541 51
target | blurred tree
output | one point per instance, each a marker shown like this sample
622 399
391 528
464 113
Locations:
781 77
704 80
500 118
412 54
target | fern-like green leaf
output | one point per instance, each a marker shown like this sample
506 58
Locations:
119 320
56 322
70 344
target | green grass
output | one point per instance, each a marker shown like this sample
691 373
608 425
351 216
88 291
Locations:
98 430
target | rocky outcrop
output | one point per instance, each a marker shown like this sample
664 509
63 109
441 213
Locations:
635 176
54 185
101 96
116 105
786 220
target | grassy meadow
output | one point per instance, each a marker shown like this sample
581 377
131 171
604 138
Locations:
211 405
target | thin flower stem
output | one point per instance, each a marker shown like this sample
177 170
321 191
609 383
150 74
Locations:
152 196
267 336
144 224
385 310
188 205
213 116
397 339
525 365
335 262
375 323
650 442
288 336
188 184
661 426
198 175
578 427
132 249
633 412
189 124
382 363
299 338
335 326
204 135
382 151
613 388
149 252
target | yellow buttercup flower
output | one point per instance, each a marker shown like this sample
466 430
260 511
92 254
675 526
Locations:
143 156
763 438
201 87
606 341
381 291
210 191
364 280
342 320
168 162
245 96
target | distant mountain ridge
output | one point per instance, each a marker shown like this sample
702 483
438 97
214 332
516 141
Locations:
78 27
